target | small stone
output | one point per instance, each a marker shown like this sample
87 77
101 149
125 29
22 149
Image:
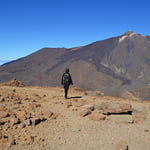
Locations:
25 140
2 99
48 114
68 103
38 139
22 125
27 122
14 121
3 114
85 112
146 130
14 90
6 141
35 121
11 141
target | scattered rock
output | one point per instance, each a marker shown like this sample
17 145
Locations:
85 112
22 125
146 130
25 140
14 90
6 141
55 116
35 121
68 103
48 114
14 120
97 116
3 114
73 108
27 122
2 99
2 122
14 117
115 108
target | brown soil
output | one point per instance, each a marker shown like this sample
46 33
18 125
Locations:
66 129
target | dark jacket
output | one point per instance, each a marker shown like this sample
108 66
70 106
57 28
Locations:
70 79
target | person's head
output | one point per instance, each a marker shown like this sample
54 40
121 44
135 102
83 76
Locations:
67 70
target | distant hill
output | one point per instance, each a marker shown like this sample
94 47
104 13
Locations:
112 65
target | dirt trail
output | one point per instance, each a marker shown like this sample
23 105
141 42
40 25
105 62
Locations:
68 130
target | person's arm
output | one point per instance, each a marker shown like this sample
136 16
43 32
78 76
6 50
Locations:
71 80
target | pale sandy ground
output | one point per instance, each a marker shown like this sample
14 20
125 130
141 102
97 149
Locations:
70 131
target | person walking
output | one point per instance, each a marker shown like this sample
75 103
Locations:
66 81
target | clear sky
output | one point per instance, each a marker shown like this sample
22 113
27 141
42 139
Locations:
29 25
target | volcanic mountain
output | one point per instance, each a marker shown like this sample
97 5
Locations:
110 65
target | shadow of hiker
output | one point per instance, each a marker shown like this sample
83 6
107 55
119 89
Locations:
75 97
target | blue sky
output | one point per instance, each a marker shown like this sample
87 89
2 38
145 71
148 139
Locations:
29 25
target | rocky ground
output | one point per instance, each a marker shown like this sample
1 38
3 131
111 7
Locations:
39 118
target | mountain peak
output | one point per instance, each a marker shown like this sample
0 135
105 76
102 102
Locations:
126 35
129 33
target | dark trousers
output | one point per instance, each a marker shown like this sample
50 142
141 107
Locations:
66 88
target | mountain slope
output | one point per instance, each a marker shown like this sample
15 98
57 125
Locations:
115 63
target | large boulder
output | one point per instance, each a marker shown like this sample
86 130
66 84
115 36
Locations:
109 108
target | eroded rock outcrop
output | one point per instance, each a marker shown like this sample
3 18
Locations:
13 82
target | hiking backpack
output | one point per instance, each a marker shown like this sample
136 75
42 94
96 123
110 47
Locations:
66 78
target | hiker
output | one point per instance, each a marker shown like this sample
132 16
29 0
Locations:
66 81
